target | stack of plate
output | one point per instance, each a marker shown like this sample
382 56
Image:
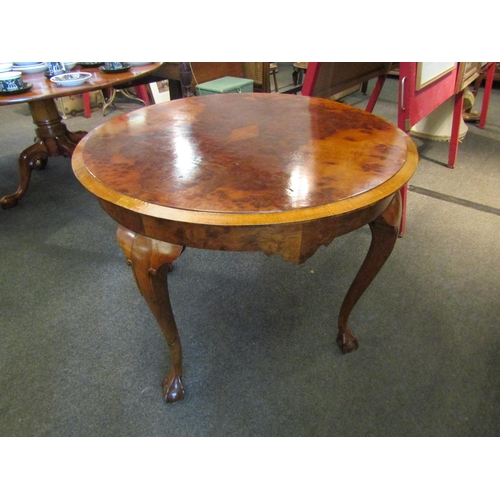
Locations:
29 67
5 67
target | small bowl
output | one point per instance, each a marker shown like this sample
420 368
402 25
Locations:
71 79
11 80
68 66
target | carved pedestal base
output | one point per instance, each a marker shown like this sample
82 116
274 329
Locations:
54 139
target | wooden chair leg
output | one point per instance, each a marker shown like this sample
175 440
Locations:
275 81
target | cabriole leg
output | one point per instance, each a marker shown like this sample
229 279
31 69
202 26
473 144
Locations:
151 261
385 229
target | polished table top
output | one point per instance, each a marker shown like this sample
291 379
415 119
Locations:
245 159
281 174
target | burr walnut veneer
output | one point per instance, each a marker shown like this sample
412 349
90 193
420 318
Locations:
280 174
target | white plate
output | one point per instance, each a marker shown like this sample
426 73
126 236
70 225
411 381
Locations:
27 63
5 67
71 79
138 63
36 68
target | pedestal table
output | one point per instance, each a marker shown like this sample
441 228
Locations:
53 137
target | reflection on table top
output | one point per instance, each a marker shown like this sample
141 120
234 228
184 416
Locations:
43 88
242 158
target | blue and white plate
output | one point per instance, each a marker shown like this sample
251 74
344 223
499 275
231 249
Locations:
71 79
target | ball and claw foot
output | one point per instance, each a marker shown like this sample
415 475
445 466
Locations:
9 201
347 341
172 389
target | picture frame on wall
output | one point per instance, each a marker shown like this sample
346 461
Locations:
429 72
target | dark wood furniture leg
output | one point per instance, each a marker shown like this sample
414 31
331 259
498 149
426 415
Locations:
151 261
54 139
175 89
186 75
385 230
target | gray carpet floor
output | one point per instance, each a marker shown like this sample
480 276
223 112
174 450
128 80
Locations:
81 355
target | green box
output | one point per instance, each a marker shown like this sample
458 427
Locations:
225 85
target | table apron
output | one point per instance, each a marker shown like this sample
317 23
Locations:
295 241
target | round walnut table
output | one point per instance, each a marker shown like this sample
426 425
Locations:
280 174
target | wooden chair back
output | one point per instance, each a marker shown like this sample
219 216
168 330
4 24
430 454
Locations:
326 79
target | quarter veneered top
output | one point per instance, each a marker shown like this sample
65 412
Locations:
243 153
